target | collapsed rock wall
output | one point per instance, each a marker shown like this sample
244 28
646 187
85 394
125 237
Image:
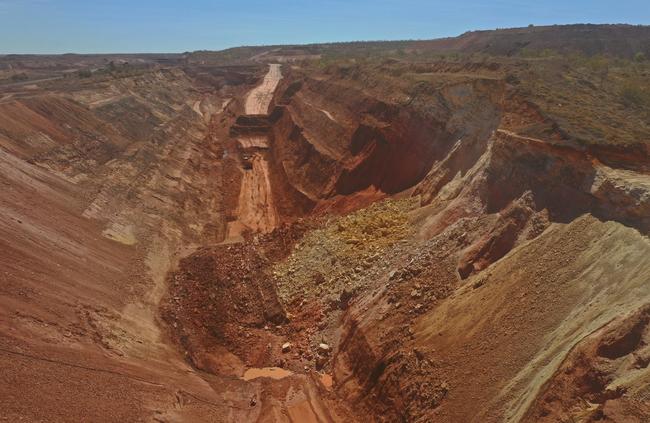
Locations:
336 141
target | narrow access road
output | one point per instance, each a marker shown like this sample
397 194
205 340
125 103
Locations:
259 99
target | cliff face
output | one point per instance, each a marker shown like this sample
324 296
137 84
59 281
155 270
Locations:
361 240
337 143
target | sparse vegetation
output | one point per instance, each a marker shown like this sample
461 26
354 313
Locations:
84 73
17 77
590 99
532 53
635 95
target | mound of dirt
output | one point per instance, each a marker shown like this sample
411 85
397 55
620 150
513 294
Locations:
334 259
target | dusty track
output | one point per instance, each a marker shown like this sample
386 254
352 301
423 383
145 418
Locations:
259 99
256 209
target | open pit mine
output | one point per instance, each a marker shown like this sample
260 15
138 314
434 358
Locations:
451 230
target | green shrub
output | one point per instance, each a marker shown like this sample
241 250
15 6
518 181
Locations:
85 73
19 77
529 53
633 94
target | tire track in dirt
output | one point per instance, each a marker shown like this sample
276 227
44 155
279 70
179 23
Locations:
259 99
256 210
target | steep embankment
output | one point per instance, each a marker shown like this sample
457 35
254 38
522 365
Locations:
107 182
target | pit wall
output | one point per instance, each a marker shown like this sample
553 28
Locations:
341 149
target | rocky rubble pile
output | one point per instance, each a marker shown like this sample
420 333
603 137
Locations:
331 263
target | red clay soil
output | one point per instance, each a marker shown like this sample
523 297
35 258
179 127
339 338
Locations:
382 252
223 297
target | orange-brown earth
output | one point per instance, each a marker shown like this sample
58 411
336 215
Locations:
333 241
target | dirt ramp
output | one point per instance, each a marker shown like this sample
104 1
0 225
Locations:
259 99
257 211
256 206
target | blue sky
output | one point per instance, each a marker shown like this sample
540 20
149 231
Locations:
104 26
